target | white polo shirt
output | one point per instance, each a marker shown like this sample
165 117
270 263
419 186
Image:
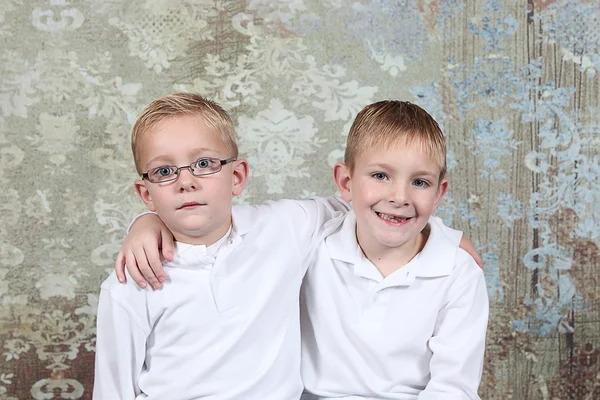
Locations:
224 327
417 334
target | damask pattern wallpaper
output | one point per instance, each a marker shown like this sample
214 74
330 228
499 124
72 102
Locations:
514 84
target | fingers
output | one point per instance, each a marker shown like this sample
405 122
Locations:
140 252
132 268
168 245
473 251
145 269
154 273
468 246
479 260
120 267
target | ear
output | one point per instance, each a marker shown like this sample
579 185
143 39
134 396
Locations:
240 176
144 193
341 175
443 187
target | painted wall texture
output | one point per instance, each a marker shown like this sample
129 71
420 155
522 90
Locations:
514 84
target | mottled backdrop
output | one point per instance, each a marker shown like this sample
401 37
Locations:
515 85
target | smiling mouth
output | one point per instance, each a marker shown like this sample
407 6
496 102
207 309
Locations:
393 219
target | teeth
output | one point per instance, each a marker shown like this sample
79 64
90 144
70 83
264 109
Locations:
391 218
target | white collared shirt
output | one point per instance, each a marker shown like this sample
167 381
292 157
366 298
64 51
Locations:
419 333
221 328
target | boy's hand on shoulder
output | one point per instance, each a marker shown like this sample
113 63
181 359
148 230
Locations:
467 246
140 252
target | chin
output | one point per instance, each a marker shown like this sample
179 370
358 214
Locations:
392 244
391 241
194 223
195 231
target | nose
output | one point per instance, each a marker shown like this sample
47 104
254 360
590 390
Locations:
398 195
187 182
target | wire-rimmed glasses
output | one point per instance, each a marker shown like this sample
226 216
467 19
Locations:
201 167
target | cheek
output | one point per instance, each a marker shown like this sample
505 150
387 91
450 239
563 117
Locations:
368 192
158 195
427 202
221 190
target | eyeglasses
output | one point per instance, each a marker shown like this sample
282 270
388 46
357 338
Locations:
200 167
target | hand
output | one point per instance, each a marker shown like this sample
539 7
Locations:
467 246
140 252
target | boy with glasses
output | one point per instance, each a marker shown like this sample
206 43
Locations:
227 324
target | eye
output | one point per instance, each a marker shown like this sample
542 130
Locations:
421 183
204 163
380 176
163 171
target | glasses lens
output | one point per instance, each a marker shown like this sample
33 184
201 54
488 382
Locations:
162 174
206 166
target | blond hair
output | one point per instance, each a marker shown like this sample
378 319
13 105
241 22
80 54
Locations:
385 123
177 104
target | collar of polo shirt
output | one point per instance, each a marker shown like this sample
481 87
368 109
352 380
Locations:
435 260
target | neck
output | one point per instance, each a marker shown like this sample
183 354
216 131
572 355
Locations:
389 259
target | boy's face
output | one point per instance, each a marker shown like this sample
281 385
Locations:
197 209
393 193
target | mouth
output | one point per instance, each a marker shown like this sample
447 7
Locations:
392 219
190 205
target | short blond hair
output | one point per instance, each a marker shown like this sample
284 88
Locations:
385 123
177 104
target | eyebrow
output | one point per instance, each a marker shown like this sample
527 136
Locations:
379 165
389 167
427 173
197 151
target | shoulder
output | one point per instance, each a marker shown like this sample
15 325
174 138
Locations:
124 303
466 275
127 294
339 234
465 264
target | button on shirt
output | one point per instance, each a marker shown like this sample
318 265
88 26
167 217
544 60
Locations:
419 333
226 324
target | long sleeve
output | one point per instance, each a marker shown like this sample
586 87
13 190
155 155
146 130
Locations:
310 217
458 342
134 220
320 216
120 350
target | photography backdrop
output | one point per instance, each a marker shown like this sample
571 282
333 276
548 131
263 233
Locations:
514 84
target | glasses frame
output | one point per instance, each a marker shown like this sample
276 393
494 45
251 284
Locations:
146 177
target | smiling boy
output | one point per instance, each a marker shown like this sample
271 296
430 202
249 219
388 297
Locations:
391 307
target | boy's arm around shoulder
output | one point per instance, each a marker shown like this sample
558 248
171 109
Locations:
121 334
147 237
310 217
458 341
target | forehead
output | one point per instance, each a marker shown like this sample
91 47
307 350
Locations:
400 155
179 136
